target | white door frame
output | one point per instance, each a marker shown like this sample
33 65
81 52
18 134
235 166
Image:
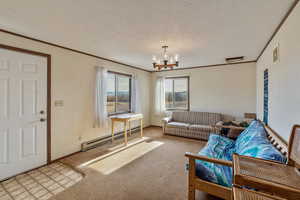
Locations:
48 56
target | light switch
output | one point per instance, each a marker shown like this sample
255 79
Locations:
59 103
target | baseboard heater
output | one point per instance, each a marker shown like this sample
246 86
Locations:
85 146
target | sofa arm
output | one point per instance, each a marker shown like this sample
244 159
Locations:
219 123
207 159
217 127
166 120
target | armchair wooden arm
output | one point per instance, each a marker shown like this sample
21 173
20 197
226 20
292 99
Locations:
197 183
207 159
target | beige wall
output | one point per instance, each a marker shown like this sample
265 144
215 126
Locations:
229 89
226 89
284 77
73 79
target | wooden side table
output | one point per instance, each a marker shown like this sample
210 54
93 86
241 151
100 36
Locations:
231 130
245 194
126 119
267 176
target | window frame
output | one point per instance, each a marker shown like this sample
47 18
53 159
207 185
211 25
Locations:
116 92
173 93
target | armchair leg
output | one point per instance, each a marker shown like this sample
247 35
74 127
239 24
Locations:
191 195
192 174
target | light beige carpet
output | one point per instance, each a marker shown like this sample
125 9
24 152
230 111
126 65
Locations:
118 159
157 175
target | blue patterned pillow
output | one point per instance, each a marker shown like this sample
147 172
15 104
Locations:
221 148
255 131
254 142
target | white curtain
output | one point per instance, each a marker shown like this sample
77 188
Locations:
160 107
101 117
135 95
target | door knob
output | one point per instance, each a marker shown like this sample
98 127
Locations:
39 120
42 112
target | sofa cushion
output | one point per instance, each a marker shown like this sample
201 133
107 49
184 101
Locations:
214 118
218 147
202 128
178 125
204 118
254 142
180 116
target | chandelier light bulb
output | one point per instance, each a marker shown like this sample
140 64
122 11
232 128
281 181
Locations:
165 56
154 59
176 57
171 60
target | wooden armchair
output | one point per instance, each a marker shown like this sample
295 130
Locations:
195 183
275 178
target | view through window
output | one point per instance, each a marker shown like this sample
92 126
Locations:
177 93
118 93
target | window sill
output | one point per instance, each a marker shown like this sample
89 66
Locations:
120 113
177 109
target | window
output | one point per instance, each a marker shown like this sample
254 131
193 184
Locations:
177 93
266 96
118 93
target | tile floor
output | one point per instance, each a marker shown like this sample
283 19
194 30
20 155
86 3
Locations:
41 183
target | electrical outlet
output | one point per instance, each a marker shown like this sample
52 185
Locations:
59 103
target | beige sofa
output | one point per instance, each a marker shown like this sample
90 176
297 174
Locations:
196 125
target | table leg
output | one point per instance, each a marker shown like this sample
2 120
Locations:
112 130
125 132
129 123
192 176
141 127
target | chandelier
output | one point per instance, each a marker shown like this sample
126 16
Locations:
166 61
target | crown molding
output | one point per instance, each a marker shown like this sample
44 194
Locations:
205 66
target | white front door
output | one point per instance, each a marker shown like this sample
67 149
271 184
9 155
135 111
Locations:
23 108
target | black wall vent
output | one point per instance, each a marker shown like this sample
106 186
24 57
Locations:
234 59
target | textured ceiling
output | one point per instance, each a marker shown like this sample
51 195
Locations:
202 32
